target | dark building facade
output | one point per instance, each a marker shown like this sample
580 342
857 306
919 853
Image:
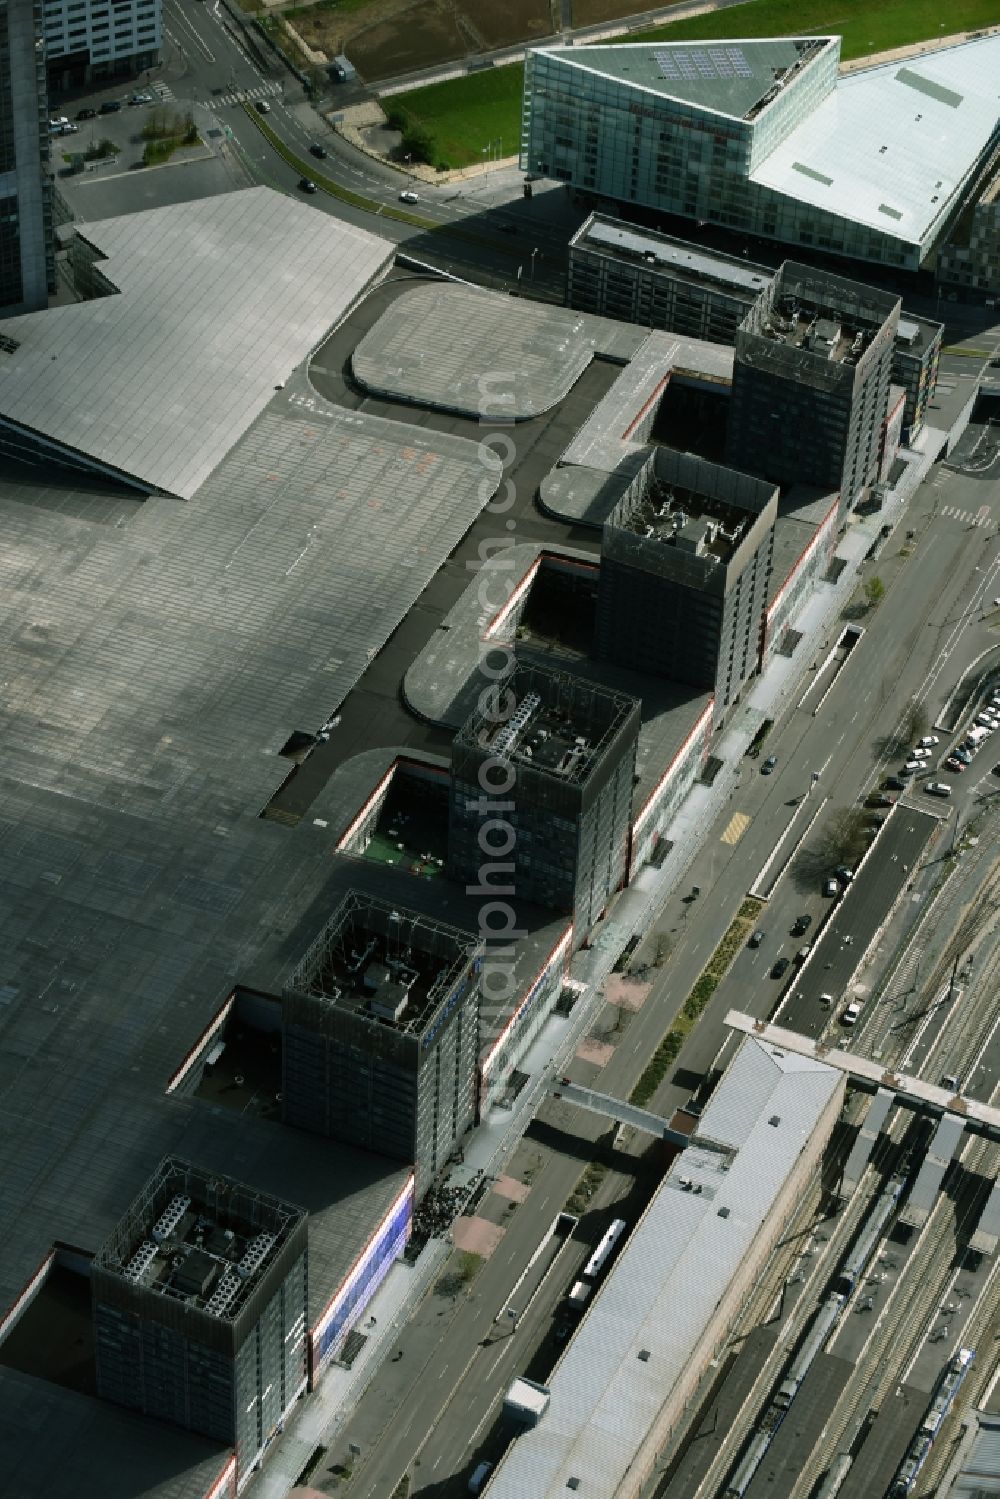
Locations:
199 1299
811 382
381 1034
685 568
558 756
27 257
642 276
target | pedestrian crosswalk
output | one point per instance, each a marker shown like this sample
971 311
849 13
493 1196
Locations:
982 516
243 95
735 828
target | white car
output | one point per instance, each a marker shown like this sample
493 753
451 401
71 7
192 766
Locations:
920 754
938 788
850 1015
409 196
912 765
928 740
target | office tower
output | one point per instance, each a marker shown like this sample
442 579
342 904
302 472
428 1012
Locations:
685 567
916 354
88 41
199 1298
381 1033
811 382
27 265
565 751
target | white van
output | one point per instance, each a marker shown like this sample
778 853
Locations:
479 1477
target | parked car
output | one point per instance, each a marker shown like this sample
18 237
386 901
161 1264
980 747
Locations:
110 107
953 763
86 114
320 152
879 799
938 788
912 765
919 754
768 765
996 770
802 924
963 755
830 887
757 937
894 783
780 968
803 953
844 875
878 821
849 1016
928 740
409 196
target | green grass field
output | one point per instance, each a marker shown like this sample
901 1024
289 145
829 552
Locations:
464 114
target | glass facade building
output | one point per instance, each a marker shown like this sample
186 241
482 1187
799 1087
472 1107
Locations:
27 260
200 1304
380 1028
685 572
811 382
557 757
762 137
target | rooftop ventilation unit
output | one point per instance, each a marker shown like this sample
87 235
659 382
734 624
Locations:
253 1255
170 1218
223 1294
140 1261
507 736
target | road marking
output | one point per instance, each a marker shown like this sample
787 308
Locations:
735 828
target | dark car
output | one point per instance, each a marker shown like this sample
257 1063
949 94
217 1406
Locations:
509 229
757 937
780 968
996 770
879 799
262 107
320 152
307 185
893 783
768 765
802 924
844 875
110 107
86 114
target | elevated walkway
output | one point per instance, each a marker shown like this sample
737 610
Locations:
614 1108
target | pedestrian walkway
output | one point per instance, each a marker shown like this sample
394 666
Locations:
982 517
264 90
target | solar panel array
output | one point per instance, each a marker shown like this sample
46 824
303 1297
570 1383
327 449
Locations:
689 64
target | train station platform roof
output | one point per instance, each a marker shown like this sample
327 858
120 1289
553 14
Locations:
978 1118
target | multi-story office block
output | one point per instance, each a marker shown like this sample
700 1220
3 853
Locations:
621 271
685 566
763 137
88 40
381 1033
541 788
811 382
916 354
641 276
969 263
199 1300
27 264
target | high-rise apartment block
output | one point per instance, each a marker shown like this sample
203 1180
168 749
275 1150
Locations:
381 1033
27 265
89 40
199 1299
685 567
557 756
811 382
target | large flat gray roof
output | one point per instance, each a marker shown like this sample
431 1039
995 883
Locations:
217 302
892 146
669 1279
